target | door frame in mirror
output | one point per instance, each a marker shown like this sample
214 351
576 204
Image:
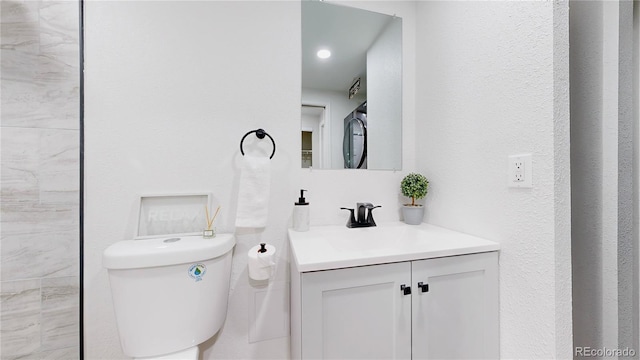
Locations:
324 132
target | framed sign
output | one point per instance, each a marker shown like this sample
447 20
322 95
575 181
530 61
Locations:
173 214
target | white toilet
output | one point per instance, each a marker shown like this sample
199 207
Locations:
169 294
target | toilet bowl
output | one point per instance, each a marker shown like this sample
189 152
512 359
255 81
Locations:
169 294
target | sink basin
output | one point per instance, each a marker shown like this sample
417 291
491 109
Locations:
369 239
332 247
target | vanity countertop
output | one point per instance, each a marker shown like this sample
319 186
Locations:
334 246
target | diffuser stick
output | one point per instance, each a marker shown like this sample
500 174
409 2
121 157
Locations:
214 215
211 220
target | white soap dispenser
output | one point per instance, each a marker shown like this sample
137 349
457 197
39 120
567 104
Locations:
301 213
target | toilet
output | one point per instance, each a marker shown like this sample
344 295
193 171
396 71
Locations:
169 293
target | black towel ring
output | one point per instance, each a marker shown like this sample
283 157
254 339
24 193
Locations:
260 133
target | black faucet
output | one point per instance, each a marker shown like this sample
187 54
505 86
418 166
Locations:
365 218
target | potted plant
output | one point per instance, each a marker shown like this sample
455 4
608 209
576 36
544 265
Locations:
414 186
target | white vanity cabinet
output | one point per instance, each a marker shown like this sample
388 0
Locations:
368 312
457 316
356 313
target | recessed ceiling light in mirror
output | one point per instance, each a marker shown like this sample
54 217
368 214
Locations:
324 54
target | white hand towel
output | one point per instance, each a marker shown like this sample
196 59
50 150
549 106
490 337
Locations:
253 195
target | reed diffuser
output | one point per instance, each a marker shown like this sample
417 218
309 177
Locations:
210 231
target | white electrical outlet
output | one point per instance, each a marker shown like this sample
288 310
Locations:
520 171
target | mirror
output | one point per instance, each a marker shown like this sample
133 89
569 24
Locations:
351 114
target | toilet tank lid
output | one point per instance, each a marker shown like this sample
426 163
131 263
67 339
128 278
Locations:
164 251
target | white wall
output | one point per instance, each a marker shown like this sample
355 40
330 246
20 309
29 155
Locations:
384 95
636 162
492 80
586 171
604 246
627 241
171 88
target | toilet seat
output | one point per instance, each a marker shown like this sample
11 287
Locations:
187 354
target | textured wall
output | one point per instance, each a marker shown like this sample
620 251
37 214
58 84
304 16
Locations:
602 144
562 182
586 167
40 171
168 99
491 82
627 240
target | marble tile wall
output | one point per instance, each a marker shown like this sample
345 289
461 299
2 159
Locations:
39 179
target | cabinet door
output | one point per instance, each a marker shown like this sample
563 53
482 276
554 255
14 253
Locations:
457 317
357 313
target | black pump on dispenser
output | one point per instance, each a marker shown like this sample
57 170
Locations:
301 213
301 199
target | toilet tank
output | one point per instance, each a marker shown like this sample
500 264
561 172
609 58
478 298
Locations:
169 293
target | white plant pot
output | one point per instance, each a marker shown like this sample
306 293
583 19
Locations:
413 215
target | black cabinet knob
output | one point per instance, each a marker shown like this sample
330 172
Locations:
406 290
423 287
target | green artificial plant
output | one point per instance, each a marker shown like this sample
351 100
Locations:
414 186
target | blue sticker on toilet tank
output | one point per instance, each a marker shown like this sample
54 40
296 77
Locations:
197 271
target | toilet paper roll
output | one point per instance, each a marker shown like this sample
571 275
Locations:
261 264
